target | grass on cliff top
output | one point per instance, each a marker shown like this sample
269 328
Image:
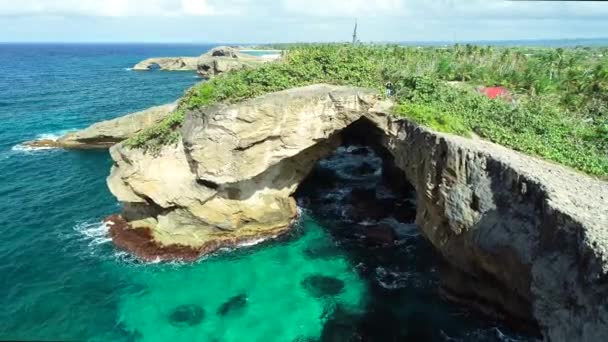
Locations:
560 112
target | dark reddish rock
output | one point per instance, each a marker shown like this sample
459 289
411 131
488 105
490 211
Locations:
140 242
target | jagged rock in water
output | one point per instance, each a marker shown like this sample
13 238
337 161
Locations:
107 133
234 304
524 239
322 286
186 315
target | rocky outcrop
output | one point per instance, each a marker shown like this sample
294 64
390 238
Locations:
167 64
232 177
218 60
522 239
107 133
223 59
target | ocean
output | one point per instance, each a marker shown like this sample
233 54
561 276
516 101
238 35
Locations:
61 279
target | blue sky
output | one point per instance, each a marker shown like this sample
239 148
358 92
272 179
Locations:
194 21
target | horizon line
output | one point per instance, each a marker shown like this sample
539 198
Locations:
311 42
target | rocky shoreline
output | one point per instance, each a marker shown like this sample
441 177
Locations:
105 134
218 60
140 241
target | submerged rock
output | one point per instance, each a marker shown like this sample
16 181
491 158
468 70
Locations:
186 315
323 286
107 133
234 304
323 251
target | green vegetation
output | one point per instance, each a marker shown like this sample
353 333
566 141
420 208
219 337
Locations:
559 111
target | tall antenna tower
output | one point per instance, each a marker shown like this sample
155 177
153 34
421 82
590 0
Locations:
355 33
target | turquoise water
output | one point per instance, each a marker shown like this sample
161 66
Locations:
61 279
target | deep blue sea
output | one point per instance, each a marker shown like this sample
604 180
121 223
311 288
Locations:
61 278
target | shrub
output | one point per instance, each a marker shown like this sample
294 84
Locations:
560 114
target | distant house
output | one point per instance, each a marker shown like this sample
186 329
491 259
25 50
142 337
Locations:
496 92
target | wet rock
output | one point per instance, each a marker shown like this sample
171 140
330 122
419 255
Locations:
323 286
187 315
234 304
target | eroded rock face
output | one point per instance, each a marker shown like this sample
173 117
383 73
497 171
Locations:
224 59
167 64
522 239
232 179
219 60
107 133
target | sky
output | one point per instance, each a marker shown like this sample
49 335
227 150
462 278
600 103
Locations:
268 21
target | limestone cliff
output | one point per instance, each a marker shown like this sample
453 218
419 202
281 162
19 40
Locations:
232 177
522 239
107 133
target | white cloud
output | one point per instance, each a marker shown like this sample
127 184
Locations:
430 9
408 9
107 8
341 8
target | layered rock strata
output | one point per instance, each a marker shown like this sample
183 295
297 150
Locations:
107 133
233 175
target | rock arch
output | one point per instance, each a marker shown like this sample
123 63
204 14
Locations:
522 237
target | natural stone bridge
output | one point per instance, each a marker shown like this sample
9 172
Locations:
524 239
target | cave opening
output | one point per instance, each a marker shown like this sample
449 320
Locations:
154 66
368 208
